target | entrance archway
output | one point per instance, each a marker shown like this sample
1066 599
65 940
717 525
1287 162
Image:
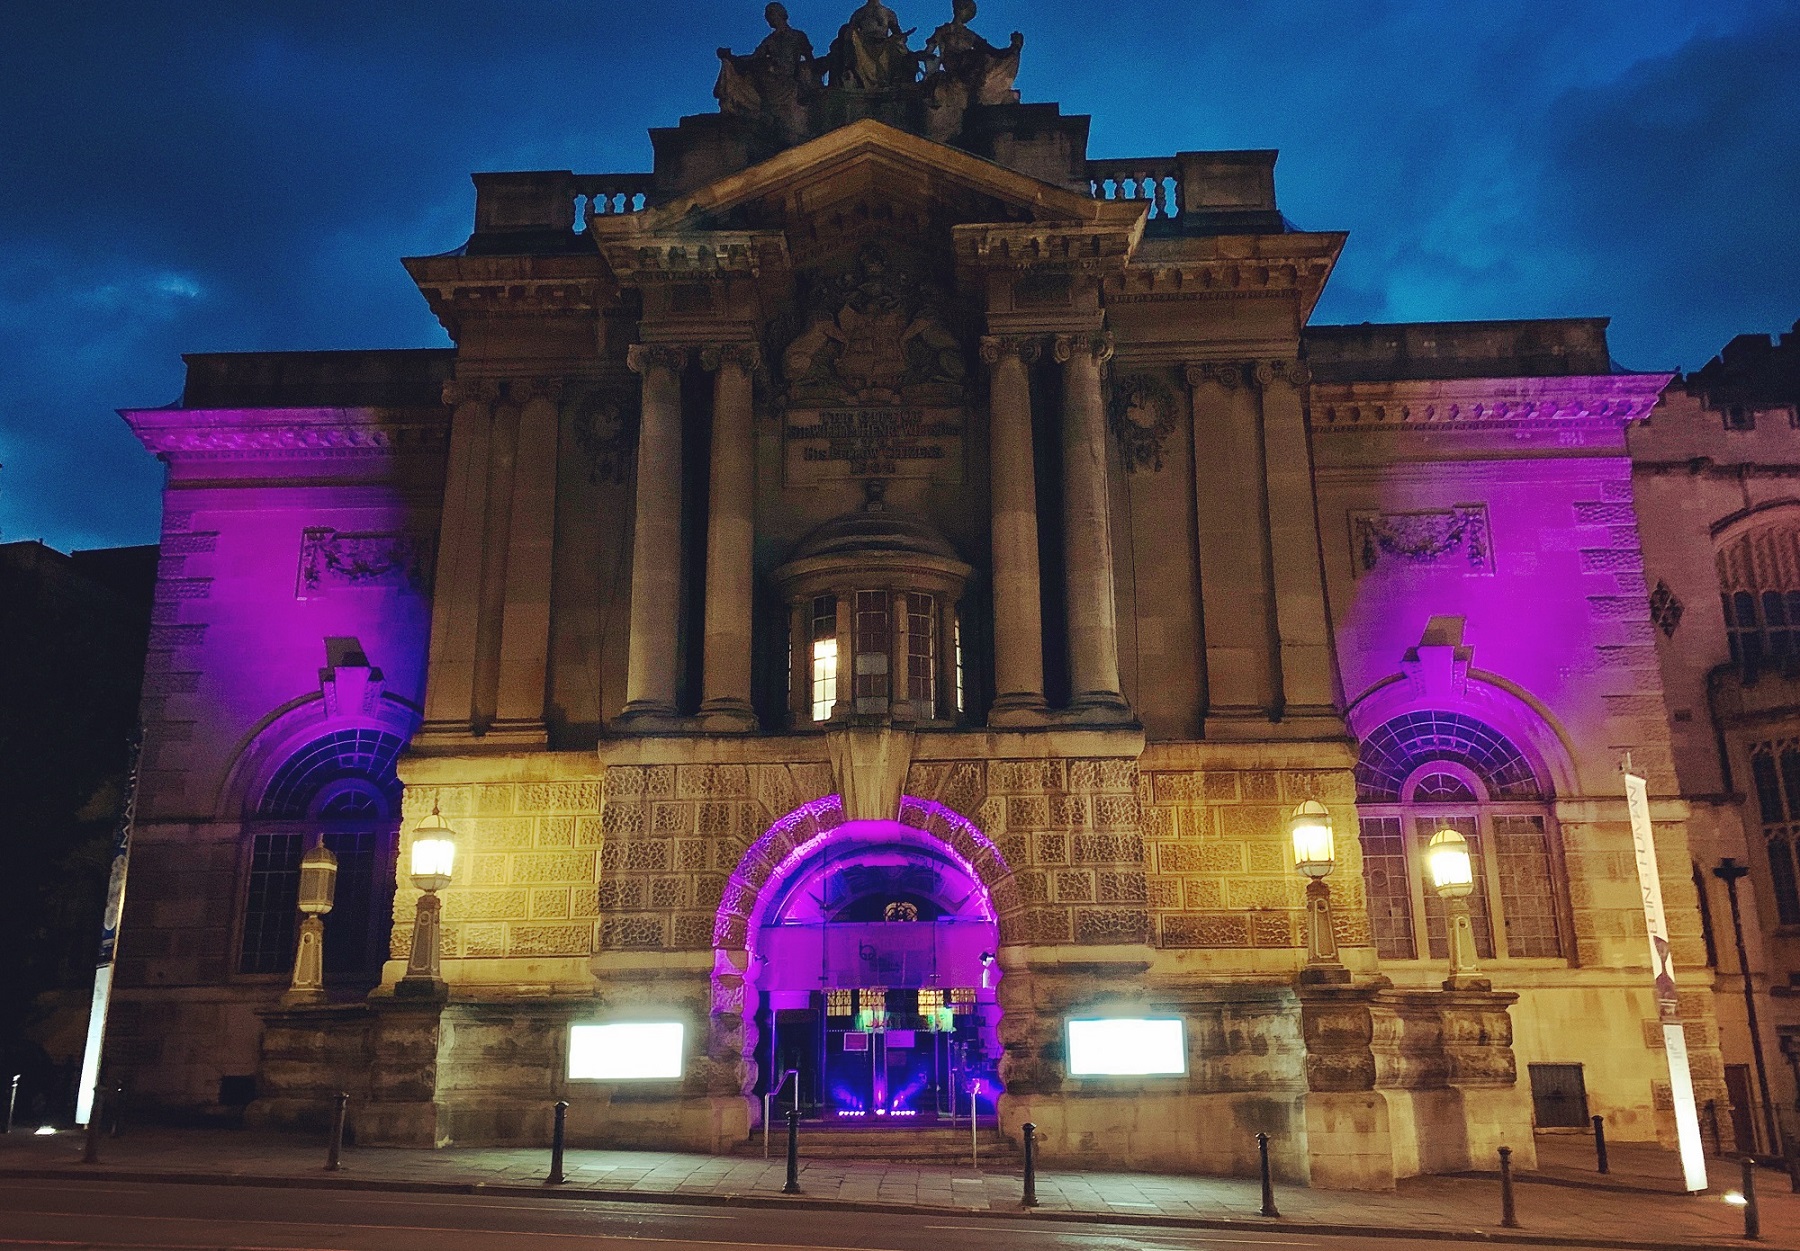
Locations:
863 957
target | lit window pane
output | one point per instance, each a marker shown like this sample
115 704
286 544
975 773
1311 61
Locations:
824 678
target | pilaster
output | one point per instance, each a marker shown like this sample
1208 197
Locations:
656 538
450 684
730 541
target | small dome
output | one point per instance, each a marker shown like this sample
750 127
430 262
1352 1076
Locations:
861 533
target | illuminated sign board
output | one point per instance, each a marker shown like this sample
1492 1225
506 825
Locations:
625 1051
1127 1046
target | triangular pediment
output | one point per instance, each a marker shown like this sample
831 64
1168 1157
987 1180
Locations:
868 158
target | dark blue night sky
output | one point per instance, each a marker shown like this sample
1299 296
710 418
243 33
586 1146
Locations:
182 176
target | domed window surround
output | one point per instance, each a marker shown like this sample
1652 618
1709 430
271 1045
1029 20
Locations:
871 599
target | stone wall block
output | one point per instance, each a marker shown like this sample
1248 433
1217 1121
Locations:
589 831
670 820
494 800
1339 1030
1204 893
553 866
1197 929
550 940
1027 812
622 782
631 931
1251 822
1116 812
502 833
1111 925
1074 887
550 903
556 832
488 869
690 855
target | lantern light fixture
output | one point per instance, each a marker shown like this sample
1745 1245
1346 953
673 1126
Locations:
1315 856
433 855
1452 871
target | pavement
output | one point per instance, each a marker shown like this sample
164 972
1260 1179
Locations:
1639 1204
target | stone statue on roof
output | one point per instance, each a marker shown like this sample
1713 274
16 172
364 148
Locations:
956 53
870 52
772 82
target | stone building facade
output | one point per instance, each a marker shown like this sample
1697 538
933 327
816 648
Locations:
878 585
1714 469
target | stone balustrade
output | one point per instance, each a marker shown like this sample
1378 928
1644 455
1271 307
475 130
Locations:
1155 180
554 200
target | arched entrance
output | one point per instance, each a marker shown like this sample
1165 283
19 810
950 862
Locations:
869 969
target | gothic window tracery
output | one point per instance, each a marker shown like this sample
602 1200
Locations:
1775 769
1759 590
1426 771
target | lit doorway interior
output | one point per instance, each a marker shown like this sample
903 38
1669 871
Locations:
874 966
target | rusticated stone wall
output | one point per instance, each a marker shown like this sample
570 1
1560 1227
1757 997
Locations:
1220 870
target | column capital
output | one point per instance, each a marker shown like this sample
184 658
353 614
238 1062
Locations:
1099 343
1293 372
1228 374
522 391
471 390
747 355
995 348
640 357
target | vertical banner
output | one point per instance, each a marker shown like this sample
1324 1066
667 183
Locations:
109 941
1662 965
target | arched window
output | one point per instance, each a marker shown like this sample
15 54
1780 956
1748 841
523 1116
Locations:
1427 771
1759 589
1775 767
340 789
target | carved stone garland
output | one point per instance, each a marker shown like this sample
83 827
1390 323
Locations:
1143 414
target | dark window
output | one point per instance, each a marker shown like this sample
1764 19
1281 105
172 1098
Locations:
871 648
1558 1096
269 918
366 755
1389 888
1775 771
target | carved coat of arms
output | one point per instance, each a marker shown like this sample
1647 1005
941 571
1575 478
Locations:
873 335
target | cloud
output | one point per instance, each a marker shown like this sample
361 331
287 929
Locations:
188 176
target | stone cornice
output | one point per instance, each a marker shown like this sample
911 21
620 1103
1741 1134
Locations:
287 431
458 287
1228 267
1103 248
1611 399
637 258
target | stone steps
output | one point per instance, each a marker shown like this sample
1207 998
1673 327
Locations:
938 1143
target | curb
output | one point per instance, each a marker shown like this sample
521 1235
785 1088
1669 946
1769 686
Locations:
770 1201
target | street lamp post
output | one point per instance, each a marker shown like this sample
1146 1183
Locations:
1315 855
1453 878
1730 872
318 887
433 853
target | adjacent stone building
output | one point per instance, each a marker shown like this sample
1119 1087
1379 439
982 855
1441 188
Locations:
872 591
1715 468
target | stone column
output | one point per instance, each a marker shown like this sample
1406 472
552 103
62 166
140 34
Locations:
730 542
525 616
1308 674
1087 533
1012 493
656 536
1236 593
456 600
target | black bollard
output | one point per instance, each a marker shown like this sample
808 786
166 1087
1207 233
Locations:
1509 1219
118 1109
1600 1145
334 1153
91 1152
793 1177
1030 1198
1790 1150
556 1177
1262 1148
1752 1218
1712 1124
12 1101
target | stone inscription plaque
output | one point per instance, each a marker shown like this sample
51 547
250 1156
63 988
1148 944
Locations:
833 444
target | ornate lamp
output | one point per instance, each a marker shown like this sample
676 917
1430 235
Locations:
1452 874
1315 856
318 888
433 853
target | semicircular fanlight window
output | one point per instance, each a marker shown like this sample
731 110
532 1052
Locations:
1397 749
365 756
